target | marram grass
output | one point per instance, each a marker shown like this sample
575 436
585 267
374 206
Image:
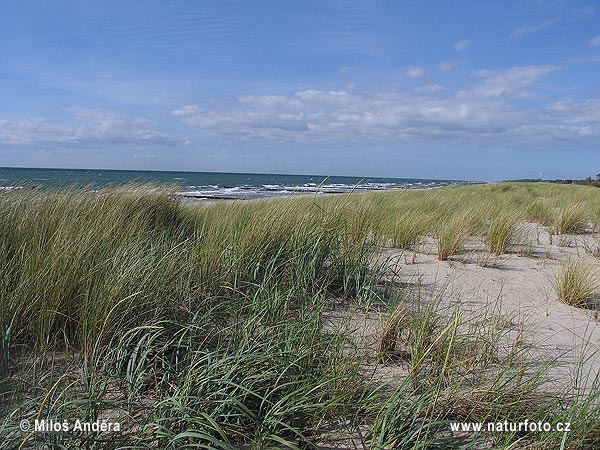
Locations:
571 218
204 326
576 282
501 233
451 233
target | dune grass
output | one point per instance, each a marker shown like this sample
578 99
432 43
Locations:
451 233
572 218
190 326
501 233
575 283
204 326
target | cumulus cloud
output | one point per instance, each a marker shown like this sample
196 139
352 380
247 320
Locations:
482 114
414 72
519 32
594 42
565 121
340 115
93 126
509 82
462 45
582 116
33 129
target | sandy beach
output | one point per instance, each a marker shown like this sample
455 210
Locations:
374 320
518 287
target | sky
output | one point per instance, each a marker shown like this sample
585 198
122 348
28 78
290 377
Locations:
472 90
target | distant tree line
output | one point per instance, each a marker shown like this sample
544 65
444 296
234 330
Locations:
589 181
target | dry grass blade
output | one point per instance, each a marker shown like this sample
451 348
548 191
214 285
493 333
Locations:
391 334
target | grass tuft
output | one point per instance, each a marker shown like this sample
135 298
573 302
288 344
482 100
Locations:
451 233
501 233
575 283
571 218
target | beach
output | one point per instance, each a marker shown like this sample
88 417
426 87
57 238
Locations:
363 320
307 225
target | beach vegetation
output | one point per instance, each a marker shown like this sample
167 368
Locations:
451 233
502 231
571 218
214 325
575 283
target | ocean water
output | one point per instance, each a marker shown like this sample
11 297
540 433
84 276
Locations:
212 185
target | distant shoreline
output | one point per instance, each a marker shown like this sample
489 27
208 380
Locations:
217 186
298 194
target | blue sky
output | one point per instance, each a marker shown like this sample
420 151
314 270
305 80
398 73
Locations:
436 89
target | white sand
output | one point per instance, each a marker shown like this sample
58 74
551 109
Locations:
520 287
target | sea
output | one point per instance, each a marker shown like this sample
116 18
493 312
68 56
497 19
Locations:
213 185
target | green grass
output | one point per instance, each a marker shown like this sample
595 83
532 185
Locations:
202 325
571 218
205 326
451 233
501 233
575 283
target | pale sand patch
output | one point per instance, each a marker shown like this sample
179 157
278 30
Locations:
519 287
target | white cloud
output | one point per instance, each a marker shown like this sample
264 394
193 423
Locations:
594 42
350 69
414 72
429 89
519 32
33 129
578 112
340 115
509 82
462 45
481 114
94 126
447 66
567 120
185 110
